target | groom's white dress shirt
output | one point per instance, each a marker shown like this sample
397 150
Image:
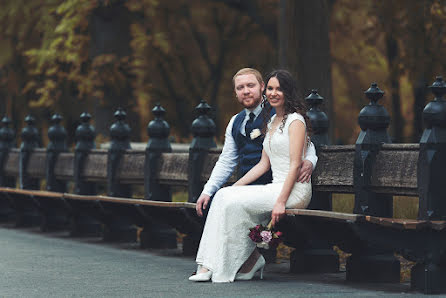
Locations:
228 159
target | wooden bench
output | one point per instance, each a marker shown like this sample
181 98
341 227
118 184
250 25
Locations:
173 173
372 170
393 174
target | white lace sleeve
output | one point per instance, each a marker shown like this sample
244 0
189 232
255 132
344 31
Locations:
295 116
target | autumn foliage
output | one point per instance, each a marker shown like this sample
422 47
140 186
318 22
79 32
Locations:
96 55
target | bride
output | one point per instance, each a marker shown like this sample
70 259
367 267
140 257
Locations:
226 253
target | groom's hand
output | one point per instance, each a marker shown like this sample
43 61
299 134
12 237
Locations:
305 172
202 204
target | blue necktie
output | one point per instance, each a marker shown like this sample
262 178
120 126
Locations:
249 124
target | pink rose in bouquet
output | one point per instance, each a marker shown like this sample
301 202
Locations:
265 237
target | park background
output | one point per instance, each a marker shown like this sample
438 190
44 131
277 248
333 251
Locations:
97 55
72 56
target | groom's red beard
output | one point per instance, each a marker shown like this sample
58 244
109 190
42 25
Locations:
251 102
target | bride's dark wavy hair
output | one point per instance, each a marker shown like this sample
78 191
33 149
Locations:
294 101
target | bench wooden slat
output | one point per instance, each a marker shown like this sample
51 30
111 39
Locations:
36 165
130 201
11 166
28 192
394 173
334 168
131 167
403 224
95 167
41 193
406 224
173 168
325 214
64 166
438 225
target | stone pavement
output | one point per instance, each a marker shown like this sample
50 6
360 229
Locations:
35 264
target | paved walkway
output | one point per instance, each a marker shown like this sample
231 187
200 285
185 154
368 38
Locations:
33 264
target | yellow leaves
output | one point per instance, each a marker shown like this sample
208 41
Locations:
48 94
30 85
103 60
53 46
146 6
135 5
50 85
161 41
62 27
43 102
98 94
140 38
70 7
438 9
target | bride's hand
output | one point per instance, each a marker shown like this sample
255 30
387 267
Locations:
278 213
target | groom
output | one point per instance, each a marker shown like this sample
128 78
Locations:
243 143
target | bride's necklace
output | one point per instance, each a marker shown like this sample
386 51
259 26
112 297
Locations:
278 119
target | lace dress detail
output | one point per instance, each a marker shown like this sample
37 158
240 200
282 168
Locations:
225 244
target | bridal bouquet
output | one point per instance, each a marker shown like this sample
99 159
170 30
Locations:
265 237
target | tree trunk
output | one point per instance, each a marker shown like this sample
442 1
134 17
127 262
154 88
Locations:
422 69
419 92
110 34
3 108
397 122
304 48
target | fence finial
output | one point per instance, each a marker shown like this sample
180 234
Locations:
319 120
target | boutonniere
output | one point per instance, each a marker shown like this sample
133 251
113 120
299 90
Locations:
255 133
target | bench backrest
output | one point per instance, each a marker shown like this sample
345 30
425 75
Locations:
372 169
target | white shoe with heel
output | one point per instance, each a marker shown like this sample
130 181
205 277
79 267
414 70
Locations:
259 265
204 276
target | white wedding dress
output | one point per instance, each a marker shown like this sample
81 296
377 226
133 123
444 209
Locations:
225 244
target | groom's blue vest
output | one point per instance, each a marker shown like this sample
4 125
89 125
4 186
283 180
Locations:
249 151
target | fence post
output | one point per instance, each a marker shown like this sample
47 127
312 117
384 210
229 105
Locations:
430 277
156 234
319 124
318 255
82 223
30 141
7 137
366 263
119 226
27 212
54 211
432 156
57 136
203 130
374 121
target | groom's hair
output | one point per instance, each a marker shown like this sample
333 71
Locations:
245 71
